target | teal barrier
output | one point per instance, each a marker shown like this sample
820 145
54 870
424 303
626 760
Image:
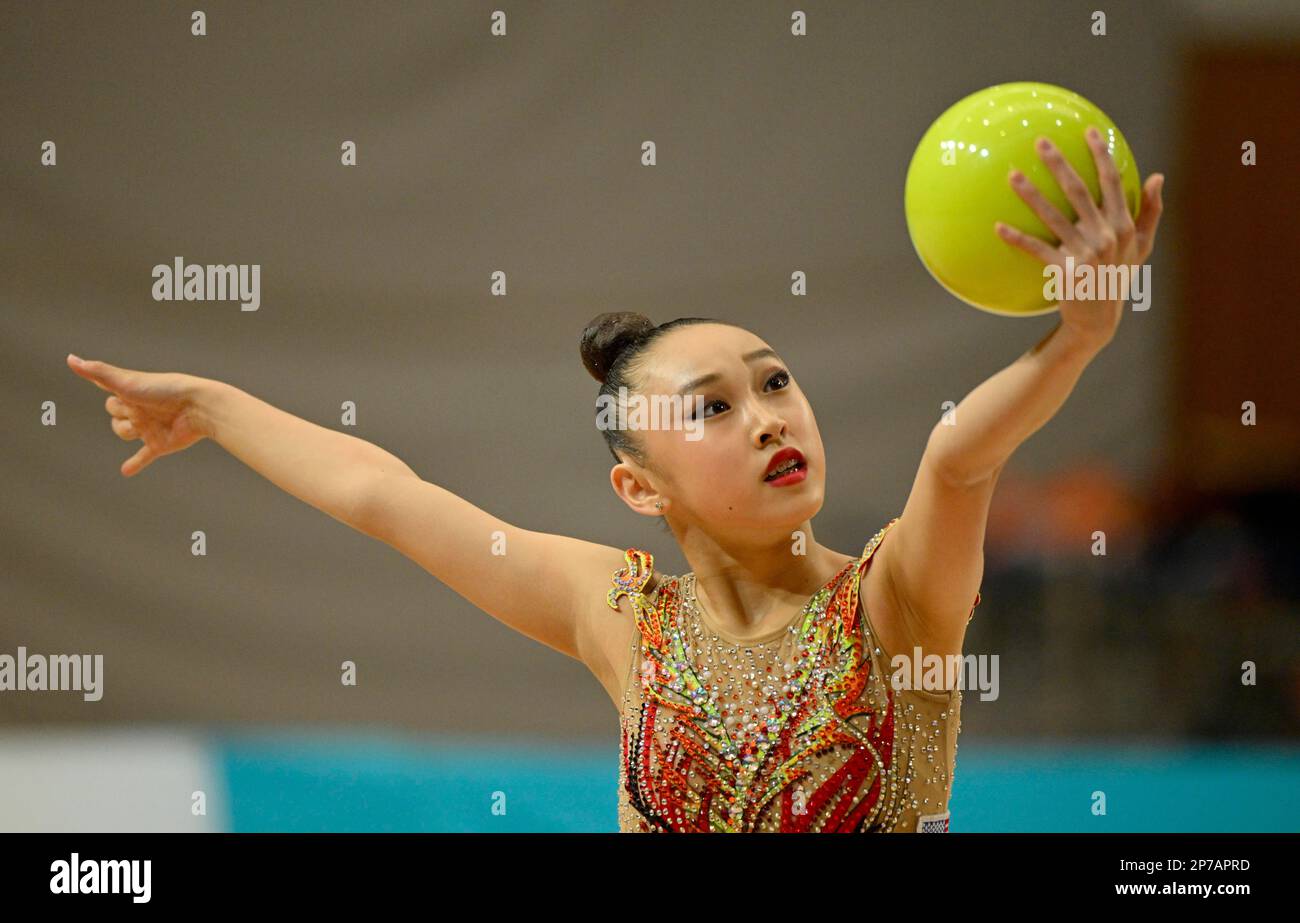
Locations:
295 782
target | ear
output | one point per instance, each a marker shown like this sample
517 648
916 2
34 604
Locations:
633 487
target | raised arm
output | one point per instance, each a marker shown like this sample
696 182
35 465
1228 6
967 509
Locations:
548 587
936 563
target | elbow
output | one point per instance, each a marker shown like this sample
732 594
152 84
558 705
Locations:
964 478
953 469
366 503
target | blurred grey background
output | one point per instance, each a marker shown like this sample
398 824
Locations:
522 154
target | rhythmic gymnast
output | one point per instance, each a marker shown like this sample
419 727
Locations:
755 691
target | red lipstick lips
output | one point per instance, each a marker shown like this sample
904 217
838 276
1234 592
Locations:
792 465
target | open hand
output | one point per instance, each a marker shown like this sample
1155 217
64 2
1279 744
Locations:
156 407
1105 236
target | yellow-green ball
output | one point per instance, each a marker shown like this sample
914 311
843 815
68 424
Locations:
957 188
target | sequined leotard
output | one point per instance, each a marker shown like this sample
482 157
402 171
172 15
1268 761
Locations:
798 731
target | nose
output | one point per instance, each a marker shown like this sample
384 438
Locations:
767 427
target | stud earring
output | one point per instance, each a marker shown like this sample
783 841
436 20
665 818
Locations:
658 505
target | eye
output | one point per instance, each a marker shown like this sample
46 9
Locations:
783 377
712 403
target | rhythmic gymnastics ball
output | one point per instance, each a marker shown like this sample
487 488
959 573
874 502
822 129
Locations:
957 188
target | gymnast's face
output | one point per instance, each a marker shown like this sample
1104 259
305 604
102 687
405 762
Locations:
711 474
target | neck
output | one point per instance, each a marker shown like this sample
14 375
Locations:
746 588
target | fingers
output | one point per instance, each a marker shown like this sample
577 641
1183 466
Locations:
1041 250
86 375
123 422
1149 216
124 428
1090 220
108 377
1112 189
111 378
1059 225
138 462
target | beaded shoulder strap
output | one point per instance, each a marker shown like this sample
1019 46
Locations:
631 581
845 599
874 543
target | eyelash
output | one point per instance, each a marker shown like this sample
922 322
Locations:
778 374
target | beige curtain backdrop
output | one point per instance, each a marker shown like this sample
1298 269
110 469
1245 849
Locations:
478 154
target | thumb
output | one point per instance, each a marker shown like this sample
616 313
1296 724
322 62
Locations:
138 462
108 377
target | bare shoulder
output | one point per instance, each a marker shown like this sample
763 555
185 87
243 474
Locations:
608 634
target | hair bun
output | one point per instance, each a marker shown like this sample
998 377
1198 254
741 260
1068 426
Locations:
607 336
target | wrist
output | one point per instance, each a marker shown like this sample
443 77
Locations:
205 398
1083 344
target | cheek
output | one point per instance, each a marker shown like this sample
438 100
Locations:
709 476
815 442
807 430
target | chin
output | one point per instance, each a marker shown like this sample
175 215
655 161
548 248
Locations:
796 512
812 509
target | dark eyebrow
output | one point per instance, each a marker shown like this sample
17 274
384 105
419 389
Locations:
763 353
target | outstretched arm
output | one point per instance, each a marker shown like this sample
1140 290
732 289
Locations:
548 587
936 564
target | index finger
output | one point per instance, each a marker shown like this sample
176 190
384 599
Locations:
79 367
108 377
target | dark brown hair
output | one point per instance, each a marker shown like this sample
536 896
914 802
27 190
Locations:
611 346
